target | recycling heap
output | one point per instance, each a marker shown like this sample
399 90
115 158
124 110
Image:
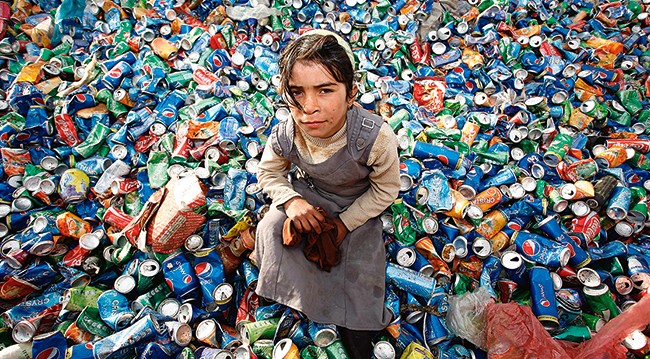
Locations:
130 133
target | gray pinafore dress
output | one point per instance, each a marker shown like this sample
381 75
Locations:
351 295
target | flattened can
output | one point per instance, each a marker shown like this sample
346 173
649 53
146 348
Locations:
541 249
543 297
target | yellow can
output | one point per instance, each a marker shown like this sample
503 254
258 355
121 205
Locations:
416 351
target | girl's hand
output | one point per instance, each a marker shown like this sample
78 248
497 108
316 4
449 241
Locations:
305 217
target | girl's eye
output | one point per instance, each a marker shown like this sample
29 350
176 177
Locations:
296 93
326 90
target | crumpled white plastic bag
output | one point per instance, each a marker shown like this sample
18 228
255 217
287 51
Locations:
466 316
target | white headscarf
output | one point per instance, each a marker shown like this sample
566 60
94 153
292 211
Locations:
338 38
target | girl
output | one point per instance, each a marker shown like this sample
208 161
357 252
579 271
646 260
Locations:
343 159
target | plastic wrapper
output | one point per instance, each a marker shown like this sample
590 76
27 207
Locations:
466 315
513 332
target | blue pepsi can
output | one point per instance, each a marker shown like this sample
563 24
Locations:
579 257
81 351
217 60
210 273
541 249
251 273
80 101
154 350
114 76
52 345
472 182
543 297
109 63
515 266
322 334
167 111
435 329
180 276
447 156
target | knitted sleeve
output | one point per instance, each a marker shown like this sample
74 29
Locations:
384 181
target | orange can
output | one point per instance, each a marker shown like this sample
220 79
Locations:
499 241
469 132
461 204
579 119
71 225
487 199
164 48
441 269
492 224
611 157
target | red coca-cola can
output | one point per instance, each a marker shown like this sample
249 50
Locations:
116 218
66 129
124 185
588 225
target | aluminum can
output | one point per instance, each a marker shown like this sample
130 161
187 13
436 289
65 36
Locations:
543 297
114 309
410 280
180 276
541 249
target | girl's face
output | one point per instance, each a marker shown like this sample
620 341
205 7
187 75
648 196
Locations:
324 101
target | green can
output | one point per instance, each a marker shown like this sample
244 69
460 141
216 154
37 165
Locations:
631 101
202 105
639 210
63 326
152 298
601 302
263 348
593 322
401 115
576 334
463 283
157 165
132 203
436 133
63 48
336 350
187 353
118 49
263 329
114 107
93 142
313 352
493 158
594 109
122 253
559 147
556 201
5 338
152 60
46 54
90 321
76 299
529 146
179 79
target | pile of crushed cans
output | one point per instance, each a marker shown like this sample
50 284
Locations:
130 132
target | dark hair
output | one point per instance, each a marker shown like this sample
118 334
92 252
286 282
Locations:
320 49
